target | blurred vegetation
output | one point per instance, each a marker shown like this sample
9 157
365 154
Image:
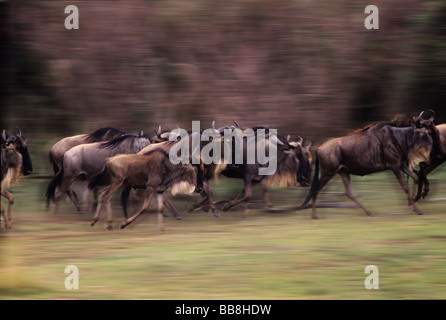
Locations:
308 68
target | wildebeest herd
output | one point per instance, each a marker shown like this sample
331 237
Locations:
109 159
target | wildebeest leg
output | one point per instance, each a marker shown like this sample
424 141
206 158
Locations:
65 188
325 178
160 200
206 200
4 215
8 195
247 194
268 203
105 195
422 176
84 192
199 203
405 187
145 205
348 191
172 209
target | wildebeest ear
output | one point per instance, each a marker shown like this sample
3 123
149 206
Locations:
309 144
19 133
4 135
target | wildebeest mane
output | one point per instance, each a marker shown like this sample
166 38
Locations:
399 121
118 141
103 134
161 150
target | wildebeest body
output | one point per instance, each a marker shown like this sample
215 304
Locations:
87 160
373 149
152 171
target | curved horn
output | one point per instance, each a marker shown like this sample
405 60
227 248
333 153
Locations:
236 124
288 138
421 115
11 139
141 134
213 124
300 140
4 135
433 115
19 133
277 140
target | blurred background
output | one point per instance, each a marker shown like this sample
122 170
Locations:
305 67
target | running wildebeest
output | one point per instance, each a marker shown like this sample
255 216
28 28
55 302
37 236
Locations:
87 160
204 171
15 160
152 171
58 150
293 168
375 148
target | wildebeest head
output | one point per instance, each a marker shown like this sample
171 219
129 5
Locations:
190 180
20 144
422 143
297 161
438 150
303 155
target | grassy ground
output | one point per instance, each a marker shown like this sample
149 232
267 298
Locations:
268 255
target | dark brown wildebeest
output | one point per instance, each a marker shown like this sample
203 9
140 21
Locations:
87 160
293 168
152 171
15 160
375 148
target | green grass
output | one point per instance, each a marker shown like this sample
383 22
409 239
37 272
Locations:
264 256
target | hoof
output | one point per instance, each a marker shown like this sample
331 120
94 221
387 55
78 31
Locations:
179 218
93 223
217 215
420 213
123 226
109 227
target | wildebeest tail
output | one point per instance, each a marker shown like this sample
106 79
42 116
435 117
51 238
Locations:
314 183
98 179
54 183
53 163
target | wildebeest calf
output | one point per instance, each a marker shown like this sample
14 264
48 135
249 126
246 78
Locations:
152 171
